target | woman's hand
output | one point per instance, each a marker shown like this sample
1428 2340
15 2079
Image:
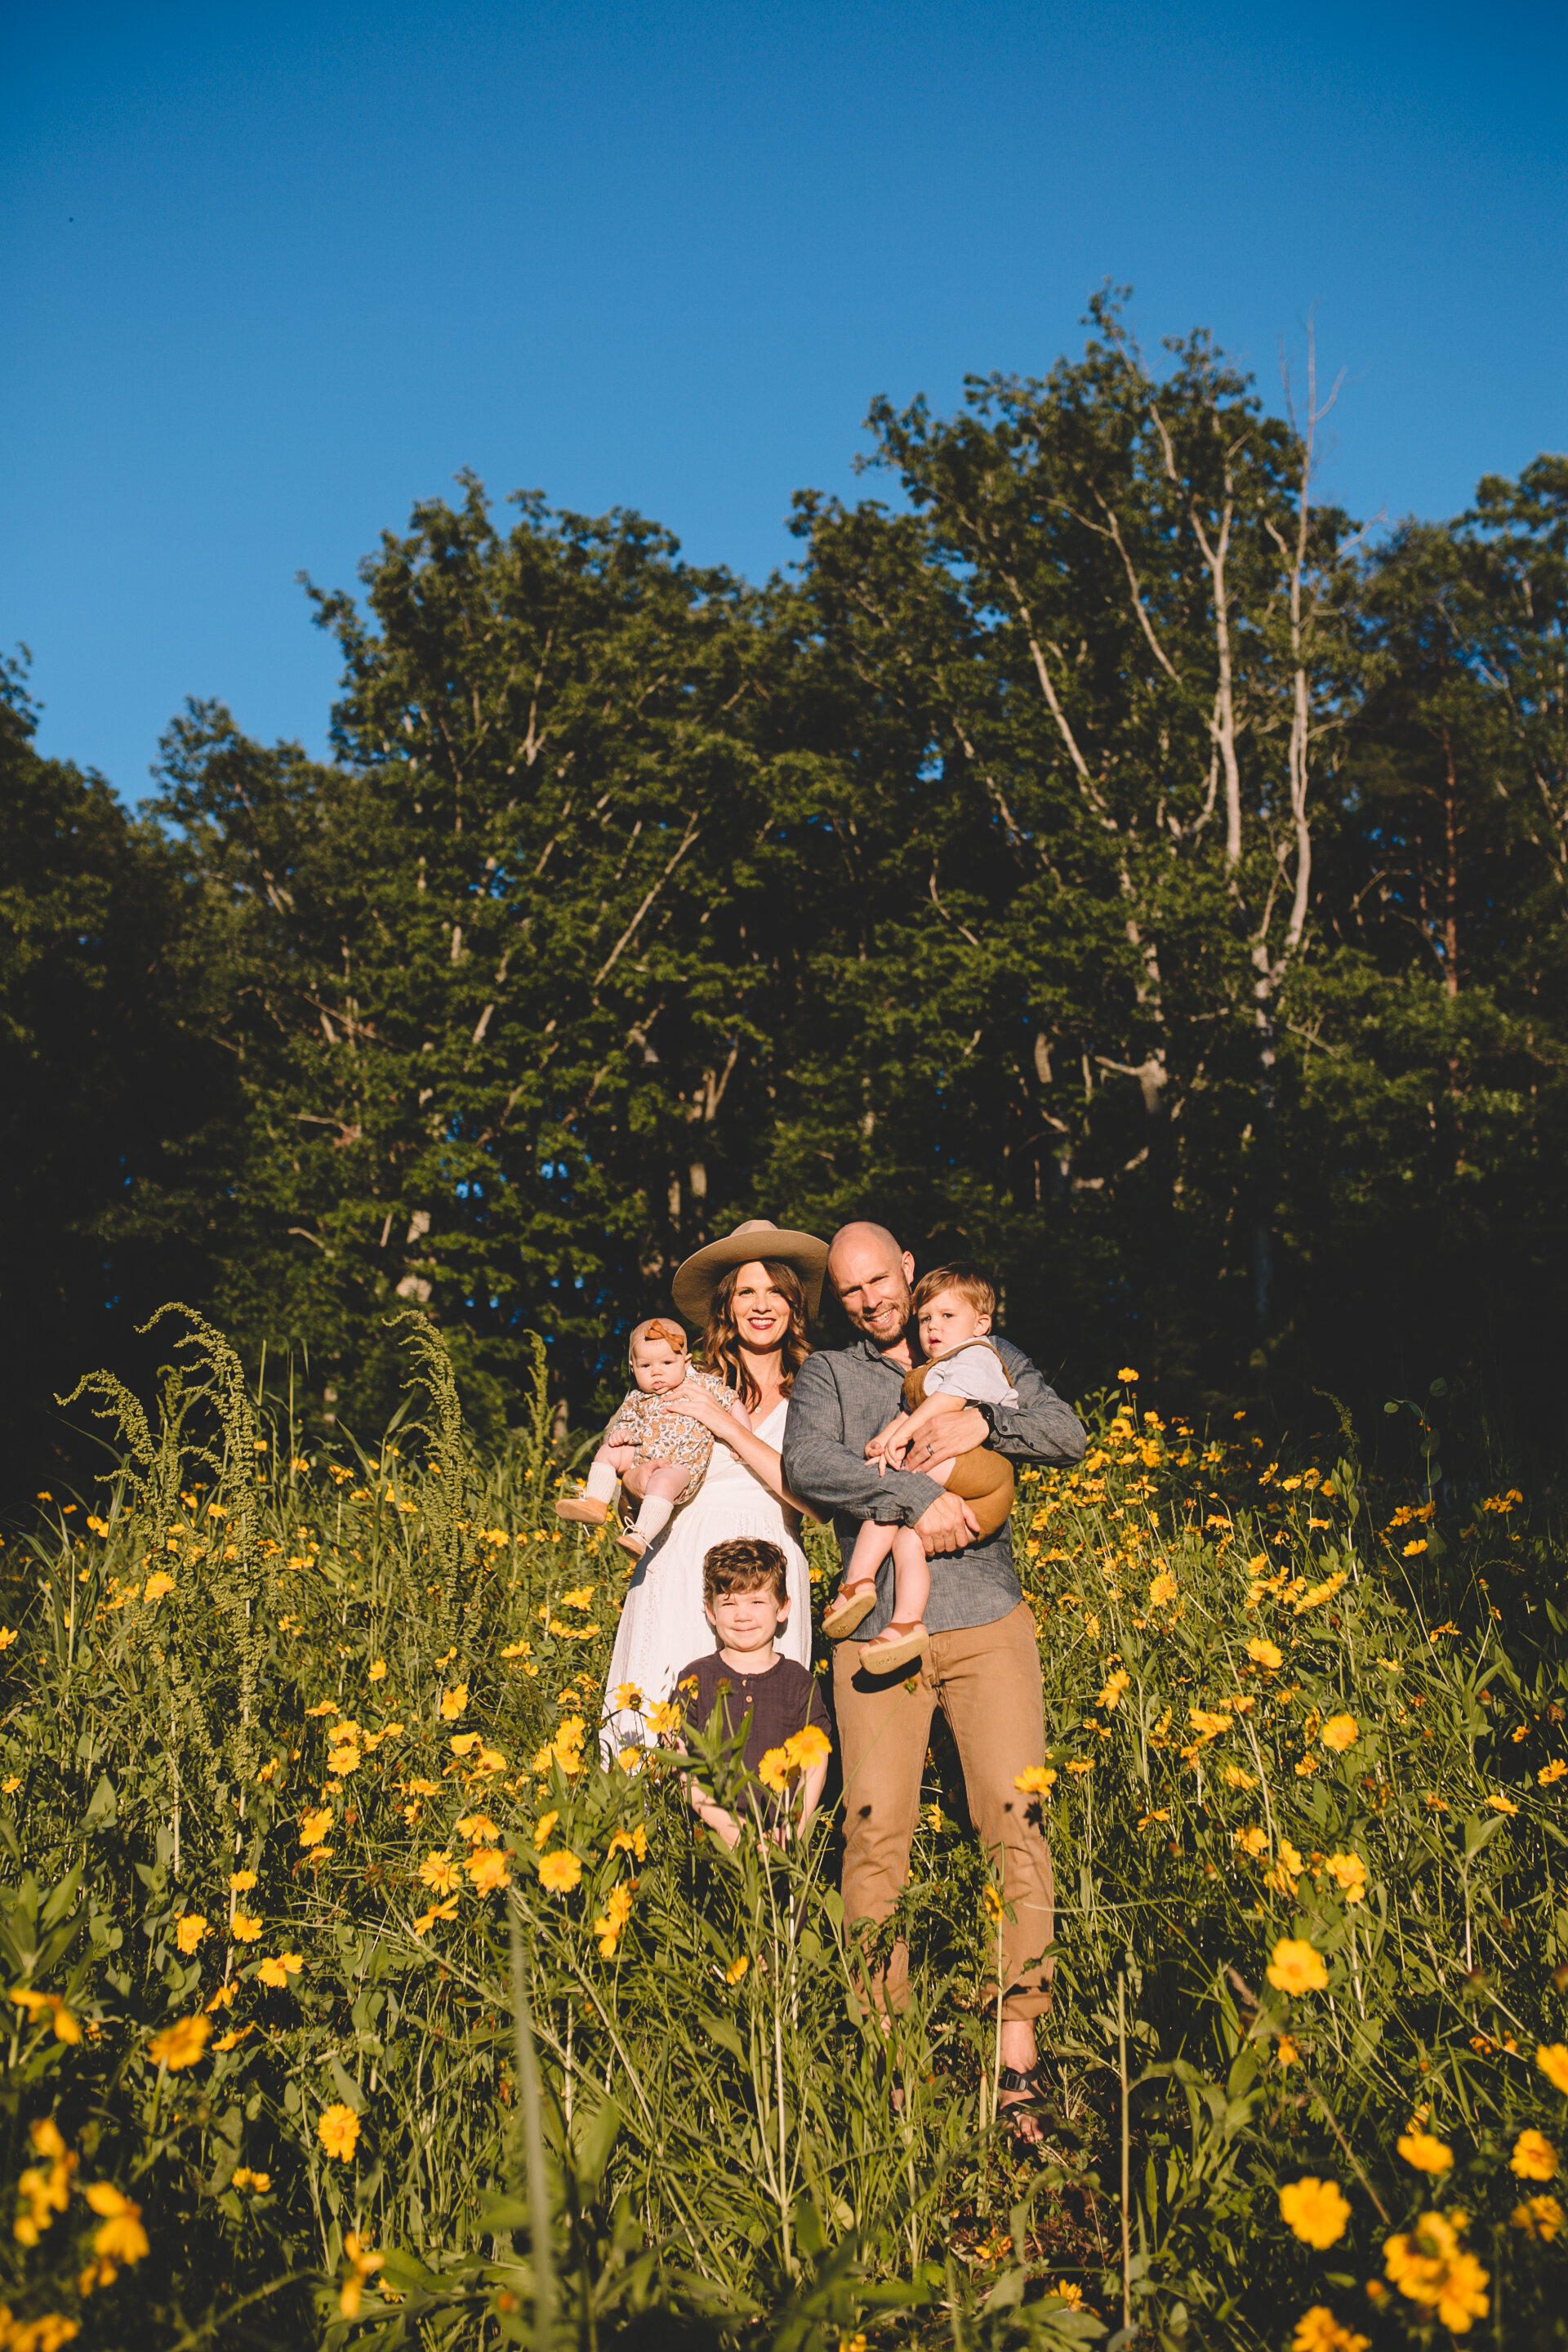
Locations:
693 1401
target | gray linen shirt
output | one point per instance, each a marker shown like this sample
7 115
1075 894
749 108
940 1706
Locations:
841 1397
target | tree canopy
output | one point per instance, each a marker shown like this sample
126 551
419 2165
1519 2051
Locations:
1095 855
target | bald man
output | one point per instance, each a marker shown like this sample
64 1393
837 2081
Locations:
983 1668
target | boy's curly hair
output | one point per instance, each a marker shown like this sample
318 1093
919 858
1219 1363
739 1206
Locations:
745 1564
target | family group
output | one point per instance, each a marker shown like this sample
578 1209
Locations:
905 1440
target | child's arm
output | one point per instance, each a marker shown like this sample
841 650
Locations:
930 1409
714 1817
876 1447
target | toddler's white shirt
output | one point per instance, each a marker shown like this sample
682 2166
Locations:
972 1370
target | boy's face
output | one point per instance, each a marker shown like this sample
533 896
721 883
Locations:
657 1366
947 1320
747 1621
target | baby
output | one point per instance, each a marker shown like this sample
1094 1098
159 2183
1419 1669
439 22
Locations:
953 1306
642 1432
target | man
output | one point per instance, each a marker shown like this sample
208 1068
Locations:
983 1668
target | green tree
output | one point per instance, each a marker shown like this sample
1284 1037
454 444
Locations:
495 1008
100 1077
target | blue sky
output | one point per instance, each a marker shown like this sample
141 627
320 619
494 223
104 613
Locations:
274 272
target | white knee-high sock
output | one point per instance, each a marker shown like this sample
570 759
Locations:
653 1516
601 1483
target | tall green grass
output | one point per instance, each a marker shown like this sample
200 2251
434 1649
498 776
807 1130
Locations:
620 2026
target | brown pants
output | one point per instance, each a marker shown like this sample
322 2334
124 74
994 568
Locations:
986 1681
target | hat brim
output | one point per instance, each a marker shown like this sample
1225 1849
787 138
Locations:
698 1277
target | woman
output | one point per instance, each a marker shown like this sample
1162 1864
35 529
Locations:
753 1292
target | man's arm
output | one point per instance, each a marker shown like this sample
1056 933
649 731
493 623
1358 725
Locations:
818 1464
1039 1427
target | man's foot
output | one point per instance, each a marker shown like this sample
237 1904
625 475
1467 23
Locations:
853 1606
630 1541
1020 2093
583 1507
901 1642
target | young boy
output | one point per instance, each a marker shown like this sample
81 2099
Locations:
680 1448
953 1306
745 1597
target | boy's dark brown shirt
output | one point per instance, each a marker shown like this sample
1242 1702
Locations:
782 1700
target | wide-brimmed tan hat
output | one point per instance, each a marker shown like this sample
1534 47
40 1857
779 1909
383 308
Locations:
697 1277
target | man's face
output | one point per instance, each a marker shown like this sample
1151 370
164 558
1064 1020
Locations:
747 1621
872 1279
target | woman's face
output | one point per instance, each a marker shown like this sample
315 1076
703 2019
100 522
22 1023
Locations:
760 1309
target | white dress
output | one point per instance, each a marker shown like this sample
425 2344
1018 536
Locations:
662 1625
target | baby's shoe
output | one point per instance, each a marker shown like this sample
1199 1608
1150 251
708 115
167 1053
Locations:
583 1507
852 1607
630 1541
898 1646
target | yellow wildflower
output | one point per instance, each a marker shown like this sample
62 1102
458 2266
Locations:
337 2128
736 1968
1252 1840
244 1927
1110 1696
1295 1967
1551 2057
1340 1732
1430 2266
544 1826
1551 1772
41 2004
1036 1780
560 1872
1286 2053
1348 1873
1318 2330
1264 1654
180 2045
479 1830
1539 2217
362 2267
1315 2210
189 1931
488 1869
1163 1591
1500 1803
1127 1373
313 1827
157 1586
632 1841
277 1973
454 1701
242 2176
612 1927
1426 2154
427 1919
1535 2156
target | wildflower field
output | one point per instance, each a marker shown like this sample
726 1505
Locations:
352 2000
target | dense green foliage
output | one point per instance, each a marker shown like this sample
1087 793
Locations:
362 1953
1100 858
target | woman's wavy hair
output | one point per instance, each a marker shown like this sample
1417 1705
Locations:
722 1340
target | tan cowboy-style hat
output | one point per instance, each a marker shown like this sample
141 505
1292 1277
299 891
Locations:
697 1276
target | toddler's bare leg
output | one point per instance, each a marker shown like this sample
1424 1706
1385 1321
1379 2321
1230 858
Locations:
905 1637
856 1596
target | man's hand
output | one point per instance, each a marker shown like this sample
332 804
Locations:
946 1524
939 1440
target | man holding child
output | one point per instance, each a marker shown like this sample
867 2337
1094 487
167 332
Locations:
979 1660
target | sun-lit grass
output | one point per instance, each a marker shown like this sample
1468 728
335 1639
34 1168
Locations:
322 1909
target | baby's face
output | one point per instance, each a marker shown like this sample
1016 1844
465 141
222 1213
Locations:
947 1320
655 1367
